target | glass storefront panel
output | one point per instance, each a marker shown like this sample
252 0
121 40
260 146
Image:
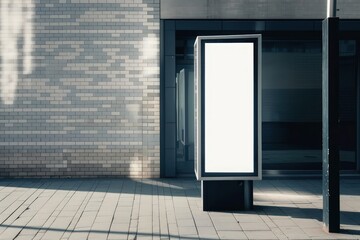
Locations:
292 81
292 105
185 106
347 104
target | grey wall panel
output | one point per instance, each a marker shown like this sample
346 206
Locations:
191 25
260 9
291 26
170 42
170 136
168 132
244 25
187 9
349 25
170 25
170 163
255 9
170 110
349 9
170 71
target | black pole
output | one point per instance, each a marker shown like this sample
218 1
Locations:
330 105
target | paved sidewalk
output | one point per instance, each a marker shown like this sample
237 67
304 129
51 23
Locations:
166 209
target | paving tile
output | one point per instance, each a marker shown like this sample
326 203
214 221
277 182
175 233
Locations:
260 235
203 222
184 231
185 222
247 218
117 236
260 226
79 235
232 235
315 232
223 226
284 222
207 233
307 223
278 233
24 237
173 230
97 235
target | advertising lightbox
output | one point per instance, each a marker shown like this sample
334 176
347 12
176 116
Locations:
227 93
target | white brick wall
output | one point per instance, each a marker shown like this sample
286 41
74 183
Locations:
90 106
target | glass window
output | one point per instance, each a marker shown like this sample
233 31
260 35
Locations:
292 104
185 106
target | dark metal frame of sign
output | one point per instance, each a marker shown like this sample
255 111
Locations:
199 108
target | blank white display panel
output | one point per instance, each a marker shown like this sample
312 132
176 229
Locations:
229 107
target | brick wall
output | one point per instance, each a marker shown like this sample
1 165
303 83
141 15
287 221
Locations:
80 89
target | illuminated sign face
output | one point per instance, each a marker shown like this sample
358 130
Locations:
227 107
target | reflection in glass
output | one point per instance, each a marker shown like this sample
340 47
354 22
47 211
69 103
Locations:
185 120
347 104
292 105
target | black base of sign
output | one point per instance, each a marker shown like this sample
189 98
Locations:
227 195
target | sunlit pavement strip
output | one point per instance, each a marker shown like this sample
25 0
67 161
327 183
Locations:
166 209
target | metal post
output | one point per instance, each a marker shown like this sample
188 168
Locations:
331 8
358 108
330 88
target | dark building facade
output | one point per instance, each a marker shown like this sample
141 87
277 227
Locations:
291 73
